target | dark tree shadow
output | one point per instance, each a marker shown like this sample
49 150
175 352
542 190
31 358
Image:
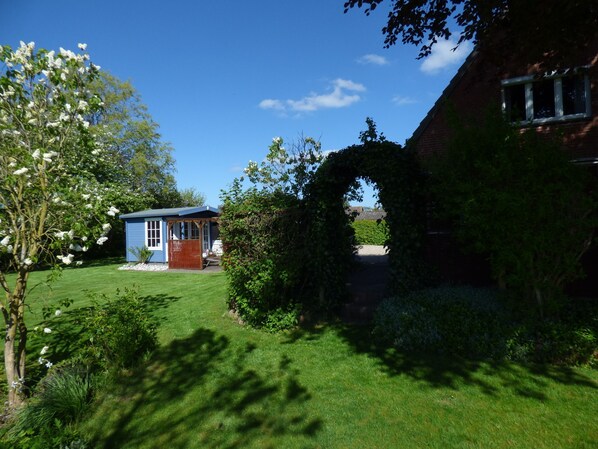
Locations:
438 371
238 406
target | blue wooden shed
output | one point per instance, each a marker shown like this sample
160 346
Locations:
177 236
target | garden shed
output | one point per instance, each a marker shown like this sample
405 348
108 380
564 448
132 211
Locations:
176 236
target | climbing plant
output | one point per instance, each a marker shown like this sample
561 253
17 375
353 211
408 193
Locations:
400 181
289 237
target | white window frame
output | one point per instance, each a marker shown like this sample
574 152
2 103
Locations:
206 233
528 82
157 236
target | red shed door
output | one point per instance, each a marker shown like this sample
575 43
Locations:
184 254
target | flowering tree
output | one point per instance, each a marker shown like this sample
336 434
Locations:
52 206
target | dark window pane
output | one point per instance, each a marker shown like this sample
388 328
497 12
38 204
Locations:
574 95
543 99
515 103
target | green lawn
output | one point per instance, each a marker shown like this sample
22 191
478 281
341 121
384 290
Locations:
215 384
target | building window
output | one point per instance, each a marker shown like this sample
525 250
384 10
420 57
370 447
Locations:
551 98
153 234
206 237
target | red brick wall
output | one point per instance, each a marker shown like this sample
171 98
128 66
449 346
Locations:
479 88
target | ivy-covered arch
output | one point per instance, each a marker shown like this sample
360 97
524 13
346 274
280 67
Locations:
400 181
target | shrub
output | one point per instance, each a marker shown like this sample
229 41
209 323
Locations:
370 232
571 341
142 254
465 321
119 332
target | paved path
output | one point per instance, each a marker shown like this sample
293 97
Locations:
366 284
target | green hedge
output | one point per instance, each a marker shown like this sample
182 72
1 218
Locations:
370 232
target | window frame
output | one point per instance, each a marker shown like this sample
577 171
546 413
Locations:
156 236
529 80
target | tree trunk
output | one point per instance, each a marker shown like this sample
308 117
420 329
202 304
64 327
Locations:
15 355
11 363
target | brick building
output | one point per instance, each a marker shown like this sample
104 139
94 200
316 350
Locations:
558 103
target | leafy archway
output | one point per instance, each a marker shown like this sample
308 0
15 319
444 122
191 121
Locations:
400 181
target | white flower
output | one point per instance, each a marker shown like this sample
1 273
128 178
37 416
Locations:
47 330
101 240
75 247
21 171
112 211
48 364
28 261
58 312
36 154
106 227
88 206
5 241
67 260
82 105
41 360
82 46
79 262
85 196
44 350
84 238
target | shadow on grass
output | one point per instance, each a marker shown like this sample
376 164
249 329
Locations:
201 392
492 378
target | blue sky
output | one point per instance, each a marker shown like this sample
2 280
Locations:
222 78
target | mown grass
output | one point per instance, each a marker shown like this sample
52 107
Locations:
215 384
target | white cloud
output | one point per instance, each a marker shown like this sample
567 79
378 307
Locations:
444 56
271 104
373 59
344 93
402 101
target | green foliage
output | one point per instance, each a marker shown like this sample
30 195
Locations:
142 254
515 196
265 255
462 321
138 157
400 181
62 399
190 197
370 232
118 332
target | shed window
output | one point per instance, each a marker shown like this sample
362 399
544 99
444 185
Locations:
153 234
206 237
550 98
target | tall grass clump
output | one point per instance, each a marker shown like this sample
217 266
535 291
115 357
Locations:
49 419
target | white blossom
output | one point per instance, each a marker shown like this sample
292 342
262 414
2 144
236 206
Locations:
58 312
106 227
5 241
44 350
28 261
68 259
102 240
82 46
21 171
75 247
112 211
47 330
48 364
36 154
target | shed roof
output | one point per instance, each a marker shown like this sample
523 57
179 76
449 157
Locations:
169 212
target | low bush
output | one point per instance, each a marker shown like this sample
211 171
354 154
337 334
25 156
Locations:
465 321
370 232
474 322
119 332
